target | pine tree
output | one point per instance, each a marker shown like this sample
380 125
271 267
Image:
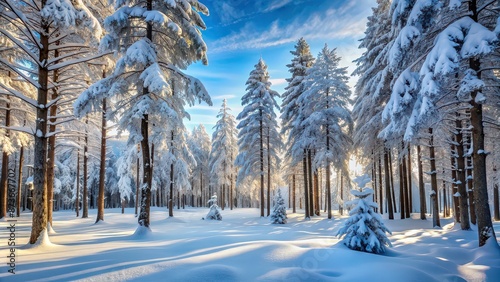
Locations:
155 39
278 216
256 119
301 61
213 213
364 230
326 118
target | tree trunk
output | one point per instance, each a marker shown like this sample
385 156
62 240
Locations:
393 193
405 186
401 190
306 192
171 194
268 174
316 194
293 194
19 181
5 166
421 187
85 208
381 188
77 200
39 219
222 202
51 146
231 192
102 168
482 207
461 168
435 199
137 181
342 193
328 191
310 182
387 183
261 141
409 190
454 186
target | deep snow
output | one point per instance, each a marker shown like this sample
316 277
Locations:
242 247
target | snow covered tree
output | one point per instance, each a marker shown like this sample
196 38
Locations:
466 40
199 145
44 29
364 230
289 108
213 213
224 151
325 116
155 39
278 216
256 119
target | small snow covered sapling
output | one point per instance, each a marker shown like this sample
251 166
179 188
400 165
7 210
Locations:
364 229
213 213
278 216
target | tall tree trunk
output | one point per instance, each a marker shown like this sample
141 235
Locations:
454 186
261 141
77 200
410 190
39 219
342 192
482 207
19 181
401 190
460 172
51 146
310 182
171 194
405 186
201 186
102 168
231 192
435 197
381 188
388 194
316 194
144 214
5 166
393 193
293 194
421 187
374 183
470 190
306 190
137 182
268 174
223 197
496 206
328 191
85 208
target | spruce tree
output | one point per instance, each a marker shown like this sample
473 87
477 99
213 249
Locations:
278 216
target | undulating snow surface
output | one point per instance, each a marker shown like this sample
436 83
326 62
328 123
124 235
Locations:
243 247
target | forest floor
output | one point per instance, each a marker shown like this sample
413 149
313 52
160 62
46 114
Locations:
241 247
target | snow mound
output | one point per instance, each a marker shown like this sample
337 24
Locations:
209 273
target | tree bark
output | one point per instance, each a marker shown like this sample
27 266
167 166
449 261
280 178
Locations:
293 194
461 168
381 188
261 143
393 193
77 200
102 168
171 194
85 208
268 174
421 187
39 219
410 192
19 181
310 182
5 167
454 186
435 197
405 190
401 191
387 183
306 190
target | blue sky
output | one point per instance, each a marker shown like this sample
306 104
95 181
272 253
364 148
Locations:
239 32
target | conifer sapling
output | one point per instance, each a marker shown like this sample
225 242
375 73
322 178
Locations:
213 213
364 229
278 216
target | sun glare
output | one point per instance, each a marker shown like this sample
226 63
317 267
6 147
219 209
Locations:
355 169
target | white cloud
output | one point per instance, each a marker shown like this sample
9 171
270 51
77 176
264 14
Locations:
221 97
278 81
347 21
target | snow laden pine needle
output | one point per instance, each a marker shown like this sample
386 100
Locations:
213 213
278 216
364 230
